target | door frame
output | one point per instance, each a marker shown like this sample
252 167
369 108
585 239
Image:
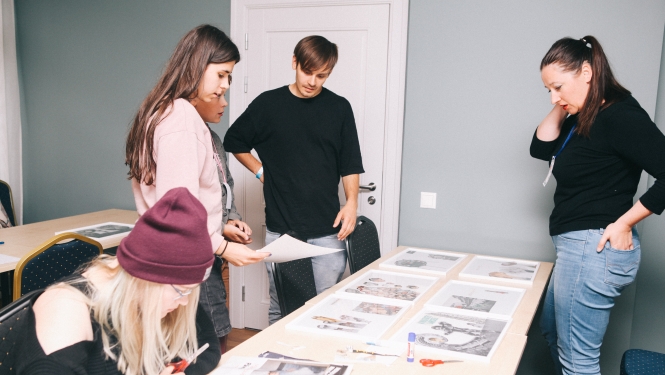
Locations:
394 124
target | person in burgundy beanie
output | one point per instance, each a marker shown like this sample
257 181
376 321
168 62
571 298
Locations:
133 313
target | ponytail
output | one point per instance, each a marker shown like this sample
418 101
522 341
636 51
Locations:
604 90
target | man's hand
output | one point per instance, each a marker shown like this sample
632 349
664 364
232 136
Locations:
347 215
237 231
239 254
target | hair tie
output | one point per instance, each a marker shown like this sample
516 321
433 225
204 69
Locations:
587 43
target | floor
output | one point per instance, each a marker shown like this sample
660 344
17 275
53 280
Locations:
238 336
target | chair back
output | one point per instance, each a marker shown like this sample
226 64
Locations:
294 282
10 316
52 261
363 245
7 201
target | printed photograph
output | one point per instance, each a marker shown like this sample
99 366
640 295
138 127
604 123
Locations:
274 364
456 334
102 231
386 286
501 269
420 260
477 297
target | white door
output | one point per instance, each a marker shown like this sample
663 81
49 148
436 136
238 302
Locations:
362 34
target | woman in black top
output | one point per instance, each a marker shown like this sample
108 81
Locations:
598 140
132 314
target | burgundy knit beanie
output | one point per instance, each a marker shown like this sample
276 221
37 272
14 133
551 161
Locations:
170 243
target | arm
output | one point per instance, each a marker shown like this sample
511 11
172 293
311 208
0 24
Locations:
550 127
205 333
250 162
347 215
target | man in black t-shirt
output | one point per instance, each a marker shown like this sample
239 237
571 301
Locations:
306 138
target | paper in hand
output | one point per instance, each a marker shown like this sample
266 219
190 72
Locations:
287 248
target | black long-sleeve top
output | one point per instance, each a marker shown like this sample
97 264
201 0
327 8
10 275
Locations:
597 177
88 357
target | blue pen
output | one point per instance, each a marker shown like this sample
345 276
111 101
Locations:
2 242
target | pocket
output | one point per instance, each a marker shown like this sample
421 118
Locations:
621 266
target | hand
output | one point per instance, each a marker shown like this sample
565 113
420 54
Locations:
235 234
619 235
241 225
347 215
169 371
240 255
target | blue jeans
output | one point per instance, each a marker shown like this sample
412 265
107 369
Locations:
580 296
328 269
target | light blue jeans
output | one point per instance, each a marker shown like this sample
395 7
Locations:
580 296
328 269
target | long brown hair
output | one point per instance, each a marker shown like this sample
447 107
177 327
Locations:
201 46
571 54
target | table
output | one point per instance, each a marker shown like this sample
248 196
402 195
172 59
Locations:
322 348
22 239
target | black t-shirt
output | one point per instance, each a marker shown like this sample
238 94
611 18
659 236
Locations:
305 145
597 177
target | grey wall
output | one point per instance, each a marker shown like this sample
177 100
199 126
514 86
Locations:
85 68
473 100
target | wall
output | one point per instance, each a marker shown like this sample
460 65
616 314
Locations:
473 100
85 68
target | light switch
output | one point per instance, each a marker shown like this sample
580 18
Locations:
427 200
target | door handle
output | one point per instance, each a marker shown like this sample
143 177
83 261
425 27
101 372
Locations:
370 187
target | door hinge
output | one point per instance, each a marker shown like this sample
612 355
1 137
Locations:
245 83
246 41
243 293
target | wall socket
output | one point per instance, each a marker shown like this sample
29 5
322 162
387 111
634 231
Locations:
427 200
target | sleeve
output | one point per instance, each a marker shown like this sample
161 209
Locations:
233 212
542 150
205 332
350 159
241 136
635 137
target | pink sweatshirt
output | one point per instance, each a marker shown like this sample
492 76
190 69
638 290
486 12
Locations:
183 154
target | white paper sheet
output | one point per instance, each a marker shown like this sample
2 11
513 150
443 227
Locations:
287 248
7 259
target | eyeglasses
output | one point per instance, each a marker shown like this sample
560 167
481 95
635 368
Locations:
181 293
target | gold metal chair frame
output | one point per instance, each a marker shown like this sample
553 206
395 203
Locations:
11 200
18 271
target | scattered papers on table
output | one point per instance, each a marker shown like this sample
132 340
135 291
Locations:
264 366
479 298
460 335
501 269
387 286
385 355
350 316
432 261
102 231
287 248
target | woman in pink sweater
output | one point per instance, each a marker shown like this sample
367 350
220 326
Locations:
170 146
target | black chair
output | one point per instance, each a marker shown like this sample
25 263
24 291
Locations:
10 316
363 245
7 201
642 362
52 261
294 282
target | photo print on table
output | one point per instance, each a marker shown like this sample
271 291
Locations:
459 334
102 231
475 297
420 260
501 269
350 316
387 286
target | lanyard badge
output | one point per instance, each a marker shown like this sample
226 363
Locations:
549 173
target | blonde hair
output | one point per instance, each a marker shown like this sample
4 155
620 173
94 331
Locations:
133 332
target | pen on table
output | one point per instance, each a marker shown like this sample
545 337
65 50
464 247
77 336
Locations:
2 242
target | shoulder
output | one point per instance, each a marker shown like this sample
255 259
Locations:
179 116
62 318
625 115
271 95
340 102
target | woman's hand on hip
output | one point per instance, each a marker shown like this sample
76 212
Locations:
619 235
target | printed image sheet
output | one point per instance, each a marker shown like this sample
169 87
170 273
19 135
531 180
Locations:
501 269
419 260
387 286
351 317
478 298
460 335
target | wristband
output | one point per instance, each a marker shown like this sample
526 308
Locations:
259 173
227 245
